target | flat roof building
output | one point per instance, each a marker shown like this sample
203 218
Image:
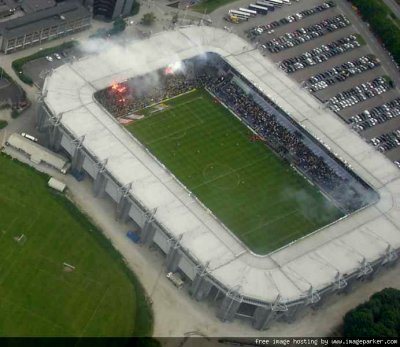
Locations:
37 153
34 28
30 6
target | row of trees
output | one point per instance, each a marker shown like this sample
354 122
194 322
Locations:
379 317
383 22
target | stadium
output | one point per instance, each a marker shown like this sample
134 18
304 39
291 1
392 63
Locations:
259 197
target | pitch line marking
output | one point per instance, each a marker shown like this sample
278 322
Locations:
271 222
94 311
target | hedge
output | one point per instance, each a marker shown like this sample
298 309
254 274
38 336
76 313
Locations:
382 22
3 124
5 74
18 64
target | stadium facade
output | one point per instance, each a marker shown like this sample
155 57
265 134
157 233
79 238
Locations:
216 266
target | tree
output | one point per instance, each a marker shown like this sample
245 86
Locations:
383 23
148 18
119 26
14 114
135 8
378 317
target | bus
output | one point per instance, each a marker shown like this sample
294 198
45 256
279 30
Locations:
239 14
266 4
277 3
258 9
251 12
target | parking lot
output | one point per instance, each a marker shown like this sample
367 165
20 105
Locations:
326 52
39 68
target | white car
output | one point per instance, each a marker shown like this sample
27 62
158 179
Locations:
29 137
48 58
57 56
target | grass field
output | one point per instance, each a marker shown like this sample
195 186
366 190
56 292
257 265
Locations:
253 192
37 296
208 6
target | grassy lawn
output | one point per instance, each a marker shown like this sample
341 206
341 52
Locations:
210 5
257 195
38 297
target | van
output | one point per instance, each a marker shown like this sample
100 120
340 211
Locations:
175 279
29 137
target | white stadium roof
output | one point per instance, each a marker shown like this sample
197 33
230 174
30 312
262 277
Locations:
290 272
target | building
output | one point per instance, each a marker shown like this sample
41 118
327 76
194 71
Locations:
30 6
215 265
37 153
48 24
111 9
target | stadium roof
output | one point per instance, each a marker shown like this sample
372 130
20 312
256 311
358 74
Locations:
312 262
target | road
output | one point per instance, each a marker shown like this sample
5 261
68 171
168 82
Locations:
393 6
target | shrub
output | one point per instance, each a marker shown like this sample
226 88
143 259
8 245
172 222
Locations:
5 75
148 18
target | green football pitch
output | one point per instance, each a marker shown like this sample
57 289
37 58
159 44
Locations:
39 296
260 198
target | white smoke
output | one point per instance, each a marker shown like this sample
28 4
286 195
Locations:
315 210
121 53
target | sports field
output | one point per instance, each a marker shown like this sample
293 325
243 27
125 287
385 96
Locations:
39 296
253 192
